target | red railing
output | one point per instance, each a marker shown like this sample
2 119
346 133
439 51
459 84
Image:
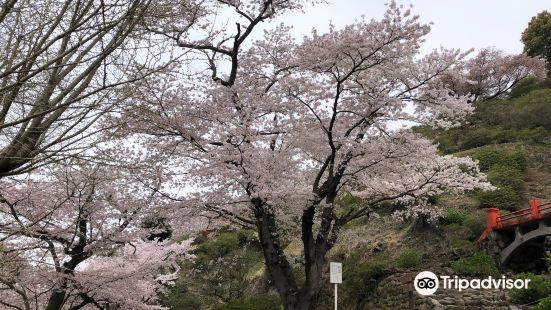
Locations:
494 221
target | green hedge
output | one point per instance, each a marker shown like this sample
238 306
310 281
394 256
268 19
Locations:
476 222
504 198
475 265
462 247
507 176
505 171
538 288
258 302
454 216
362 279
526 86
488 158
408 259
545 304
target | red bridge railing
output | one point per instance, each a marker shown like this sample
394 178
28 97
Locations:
495 221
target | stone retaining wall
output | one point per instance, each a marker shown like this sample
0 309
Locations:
396 292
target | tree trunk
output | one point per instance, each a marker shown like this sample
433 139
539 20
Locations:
314 257
56 300
276 263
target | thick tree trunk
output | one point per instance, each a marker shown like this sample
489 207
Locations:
278 267
56 301
314 257
58 296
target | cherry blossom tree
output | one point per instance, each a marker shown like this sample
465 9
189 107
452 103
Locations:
491 74
193 26
62 62
294 127
74 237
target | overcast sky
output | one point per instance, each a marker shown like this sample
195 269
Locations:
457 23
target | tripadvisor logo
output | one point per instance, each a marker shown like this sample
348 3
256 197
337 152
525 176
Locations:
427 283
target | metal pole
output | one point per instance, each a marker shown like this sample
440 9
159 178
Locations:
335 296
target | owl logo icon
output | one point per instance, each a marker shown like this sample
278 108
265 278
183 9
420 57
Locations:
426 283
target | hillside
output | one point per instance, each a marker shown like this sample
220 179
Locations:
510 139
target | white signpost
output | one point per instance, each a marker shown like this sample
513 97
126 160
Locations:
335 271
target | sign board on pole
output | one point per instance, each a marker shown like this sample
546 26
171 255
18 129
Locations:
335 270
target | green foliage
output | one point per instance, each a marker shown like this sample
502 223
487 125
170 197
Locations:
543 288
507 176
476 222
458 231
491 113
537 36
159 228
408 259
538 135
362 279
181 299
225 243
525 86
538 288
519 157
359 222
532 110
258 302
463 247
462 232
454 216
218 274
505 171
475 265
488 158
524 118
504 198
478 137
545 304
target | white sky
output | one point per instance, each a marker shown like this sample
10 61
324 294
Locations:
460 24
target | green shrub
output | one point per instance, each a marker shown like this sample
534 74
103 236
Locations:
225 243
505 175
457 231
537 135
526 117
180 299
454 216
525 86
258 302
519 157
448 142
478 137
487 158
476 265
476 222
492 113
362 279
504 198
217 273
532 110
545 304
538 288
408 259
500 135
463 247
